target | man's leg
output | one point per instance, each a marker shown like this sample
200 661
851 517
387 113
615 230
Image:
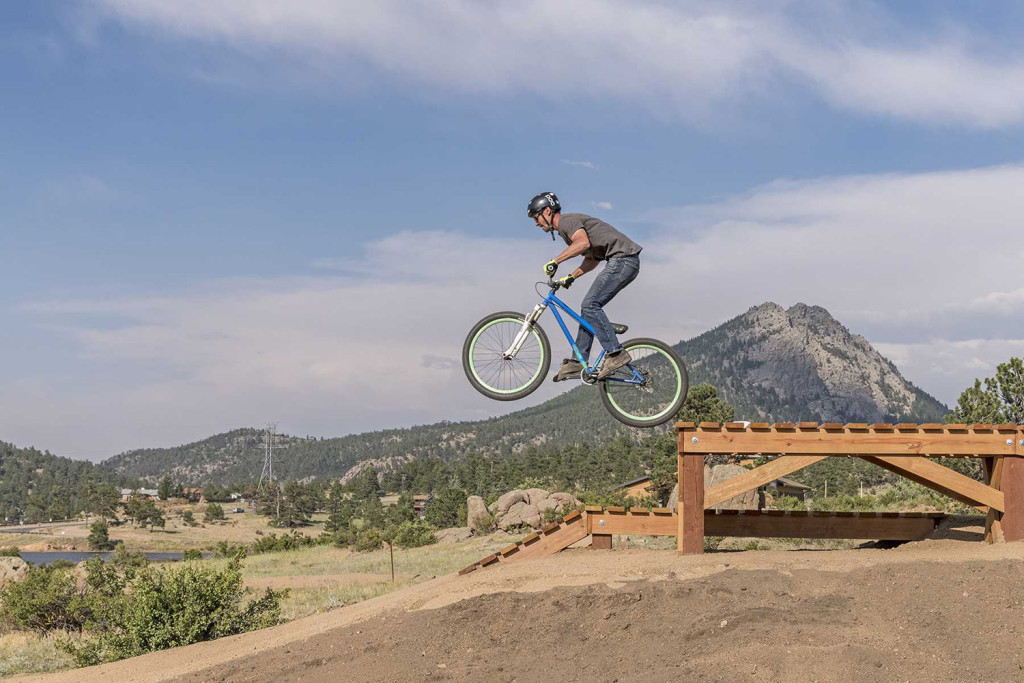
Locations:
616 275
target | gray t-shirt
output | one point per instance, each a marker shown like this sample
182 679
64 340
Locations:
605 241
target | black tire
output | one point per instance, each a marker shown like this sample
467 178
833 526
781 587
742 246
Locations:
532 363
643 407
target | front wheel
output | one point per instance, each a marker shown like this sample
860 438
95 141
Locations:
651 389
500 378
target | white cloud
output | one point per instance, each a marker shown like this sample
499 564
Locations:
692 57
604 206
926 266
581 164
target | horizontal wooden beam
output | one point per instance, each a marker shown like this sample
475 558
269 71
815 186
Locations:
757 524
851 439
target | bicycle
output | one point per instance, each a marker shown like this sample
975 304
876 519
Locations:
507 355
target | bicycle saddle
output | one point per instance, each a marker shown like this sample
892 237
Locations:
619 328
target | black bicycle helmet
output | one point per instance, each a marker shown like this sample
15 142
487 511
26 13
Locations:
543 201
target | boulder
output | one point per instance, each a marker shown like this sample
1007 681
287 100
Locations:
12 569
566 500
744 501
535 496
548 504
502 505
477 516
520 514
453 535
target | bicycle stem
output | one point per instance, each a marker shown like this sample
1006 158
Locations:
524 331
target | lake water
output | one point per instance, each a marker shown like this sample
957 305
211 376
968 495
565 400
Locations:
76 557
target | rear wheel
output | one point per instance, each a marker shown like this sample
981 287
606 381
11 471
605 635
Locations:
651 389
500 378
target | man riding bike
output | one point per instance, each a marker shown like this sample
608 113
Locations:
596 241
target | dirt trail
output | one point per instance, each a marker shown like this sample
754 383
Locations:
925 611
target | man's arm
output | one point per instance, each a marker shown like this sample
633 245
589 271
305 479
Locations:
588 265
580 243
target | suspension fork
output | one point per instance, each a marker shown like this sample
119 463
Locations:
524 331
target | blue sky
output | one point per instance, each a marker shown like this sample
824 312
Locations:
222 212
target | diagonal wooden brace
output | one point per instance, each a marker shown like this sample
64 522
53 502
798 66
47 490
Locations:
759 476
942 479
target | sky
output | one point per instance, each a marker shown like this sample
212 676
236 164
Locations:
221 213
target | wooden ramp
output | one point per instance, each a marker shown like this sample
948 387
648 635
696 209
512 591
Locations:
549 540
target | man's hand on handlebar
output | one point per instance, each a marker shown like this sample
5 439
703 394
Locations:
550 268
566 281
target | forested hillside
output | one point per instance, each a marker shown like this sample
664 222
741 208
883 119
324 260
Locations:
37 486
769 363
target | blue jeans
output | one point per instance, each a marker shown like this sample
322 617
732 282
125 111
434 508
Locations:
616 275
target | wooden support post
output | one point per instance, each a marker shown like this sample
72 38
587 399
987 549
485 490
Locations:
993 520
690 539
601 542
1012 484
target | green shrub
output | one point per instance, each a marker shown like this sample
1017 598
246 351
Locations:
122 557
189 518
46 599
447 509
789 503
368 539
192 555
11 551
414 534
147 609
274 543
99 536
228 549
214 513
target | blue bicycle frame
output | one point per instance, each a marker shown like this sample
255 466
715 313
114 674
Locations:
558 303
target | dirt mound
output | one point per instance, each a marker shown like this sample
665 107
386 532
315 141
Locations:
925 611
809 625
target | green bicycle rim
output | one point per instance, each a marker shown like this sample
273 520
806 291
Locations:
472 366
679 388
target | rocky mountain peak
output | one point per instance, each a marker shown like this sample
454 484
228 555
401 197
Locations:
803 364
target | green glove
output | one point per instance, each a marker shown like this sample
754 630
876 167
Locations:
550 267
566 281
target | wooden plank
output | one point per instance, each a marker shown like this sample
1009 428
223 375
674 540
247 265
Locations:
795 525
470 568
490 559
615 508
690 538
759 425
712 442
710 425
806 425
530 539
784 425
907 427
601 542
882 426
832 426
931 425
570 517
686 425
942 479
734 425
662 511
759 476
548 528
509 549
595 508
993 520
1012 485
